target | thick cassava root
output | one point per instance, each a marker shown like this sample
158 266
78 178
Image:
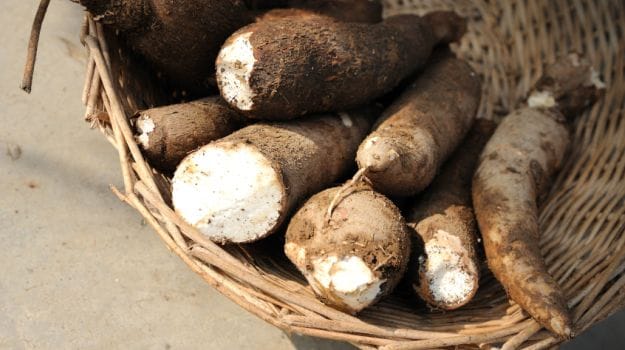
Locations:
355 256
180 39
287 66
445 269
417 133
167 134
514 171
242 187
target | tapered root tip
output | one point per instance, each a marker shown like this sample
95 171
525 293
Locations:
561 326
229 192
235 64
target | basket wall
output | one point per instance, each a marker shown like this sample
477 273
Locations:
583 219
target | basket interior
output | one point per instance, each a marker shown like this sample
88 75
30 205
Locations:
582 220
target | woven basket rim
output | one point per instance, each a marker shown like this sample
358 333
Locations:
290 306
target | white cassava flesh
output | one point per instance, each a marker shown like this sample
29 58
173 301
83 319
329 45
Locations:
212 190
541 99
236 62
346 279
145 125
449 269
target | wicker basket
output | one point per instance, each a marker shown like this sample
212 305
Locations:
583 221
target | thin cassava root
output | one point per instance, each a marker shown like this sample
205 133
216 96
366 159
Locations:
287 66
167 134
355 255
242 187
417 133
513 174
444 271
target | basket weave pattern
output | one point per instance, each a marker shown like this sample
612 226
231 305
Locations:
582 220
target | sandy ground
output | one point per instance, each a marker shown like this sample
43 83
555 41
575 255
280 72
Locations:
79 268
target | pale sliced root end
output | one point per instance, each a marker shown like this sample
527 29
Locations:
449 275
145 126
235 64
230 192
541 99
346 282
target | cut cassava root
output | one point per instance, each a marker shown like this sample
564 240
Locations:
284 67
445 269
355 255
180 39
242 187
513 173
167 134
417 133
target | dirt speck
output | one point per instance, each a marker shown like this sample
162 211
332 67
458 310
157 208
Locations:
32 184
14 151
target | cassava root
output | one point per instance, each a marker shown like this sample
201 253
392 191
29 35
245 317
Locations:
242 187
288 66
167 134
354 256
513 174
417 133
180 39
444 271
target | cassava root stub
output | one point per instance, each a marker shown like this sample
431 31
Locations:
288 66
444 270
420 129
167 134
354 256
513 174
241 187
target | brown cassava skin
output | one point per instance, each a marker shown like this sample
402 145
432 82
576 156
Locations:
317 64
364 224
514 171
366 11
265 4
309 154
181 128
446 205
417 133
180 39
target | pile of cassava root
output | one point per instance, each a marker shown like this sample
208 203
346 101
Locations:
356 138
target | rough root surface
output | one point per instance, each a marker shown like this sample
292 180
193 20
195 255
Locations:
417 133
313 63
